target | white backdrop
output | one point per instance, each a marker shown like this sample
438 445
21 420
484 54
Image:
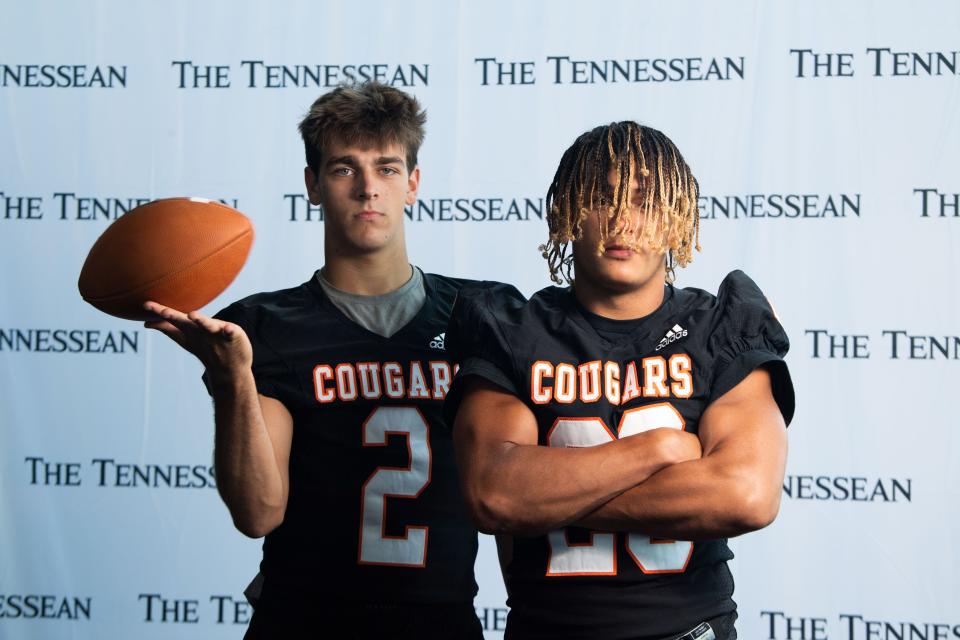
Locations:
826 137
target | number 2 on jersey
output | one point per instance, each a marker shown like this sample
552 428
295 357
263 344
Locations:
376 547
599 556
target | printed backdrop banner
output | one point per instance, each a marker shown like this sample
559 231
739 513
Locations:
826 138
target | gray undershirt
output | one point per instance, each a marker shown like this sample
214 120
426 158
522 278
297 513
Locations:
382 314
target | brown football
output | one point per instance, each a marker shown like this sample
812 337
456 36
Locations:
180 252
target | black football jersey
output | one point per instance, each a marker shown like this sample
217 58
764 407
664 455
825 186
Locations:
375 513
587 387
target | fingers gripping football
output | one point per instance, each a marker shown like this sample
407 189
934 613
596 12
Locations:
222 347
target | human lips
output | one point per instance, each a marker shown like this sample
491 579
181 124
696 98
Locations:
618 251
369 214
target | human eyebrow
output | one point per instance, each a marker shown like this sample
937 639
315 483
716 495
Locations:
389 160
347 160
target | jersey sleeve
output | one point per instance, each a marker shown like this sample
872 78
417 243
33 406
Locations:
475 339
746 334
267 364
477 366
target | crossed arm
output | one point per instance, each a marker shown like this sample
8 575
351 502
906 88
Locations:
253 432
664 482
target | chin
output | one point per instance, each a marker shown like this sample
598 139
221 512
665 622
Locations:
369 247
622 277
369 239
621 285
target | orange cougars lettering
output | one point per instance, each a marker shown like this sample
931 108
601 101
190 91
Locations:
540 371
566 388
442 378
359 381
655 377
418 384
681 370
651 377
322 373
346 382
590 381
631 386
611 382
369 373
393 379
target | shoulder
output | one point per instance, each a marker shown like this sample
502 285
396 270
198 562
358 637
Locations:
736 284
496 322
738 289
737 331
745 309
506 307
259 308
738 306
463 298
485 302
457 288
480 321
495 297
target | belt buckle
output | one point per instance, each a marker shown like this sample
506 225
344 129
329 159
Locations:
702 631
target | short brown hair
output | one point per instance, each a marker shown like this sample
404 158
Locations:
580 187
367 113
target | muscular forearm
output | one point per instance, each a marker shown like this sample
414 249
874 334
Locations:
252 448
734 488
248 475
700 499
530 489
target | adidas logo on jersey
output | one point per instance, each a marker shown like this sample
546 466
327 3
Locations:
437 343
672 336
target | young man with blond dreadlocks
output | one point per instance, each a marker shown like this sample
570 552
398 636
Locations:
618 431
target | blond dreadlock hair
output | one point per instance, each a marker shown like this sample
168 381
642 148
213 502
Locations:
580 188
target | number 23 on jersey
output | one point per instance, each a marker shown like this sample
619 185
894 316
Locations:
598 557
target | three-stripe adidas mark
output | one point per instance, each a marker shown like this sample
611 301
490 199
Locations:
672 336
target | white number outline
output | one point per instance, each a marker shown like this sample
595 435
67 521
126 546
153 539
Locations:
375 547
600 552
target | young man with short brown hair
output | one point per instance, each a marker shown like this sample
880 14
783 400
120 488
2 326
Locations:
327 396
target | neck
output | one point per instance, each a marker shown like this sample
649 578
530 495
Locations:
368 274
620 305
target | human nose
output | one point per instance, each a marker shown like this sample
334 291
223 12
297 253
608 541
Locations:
365 186
628 223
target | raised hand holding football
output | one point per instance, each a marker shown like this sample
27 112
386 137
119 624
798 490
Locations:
179 252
